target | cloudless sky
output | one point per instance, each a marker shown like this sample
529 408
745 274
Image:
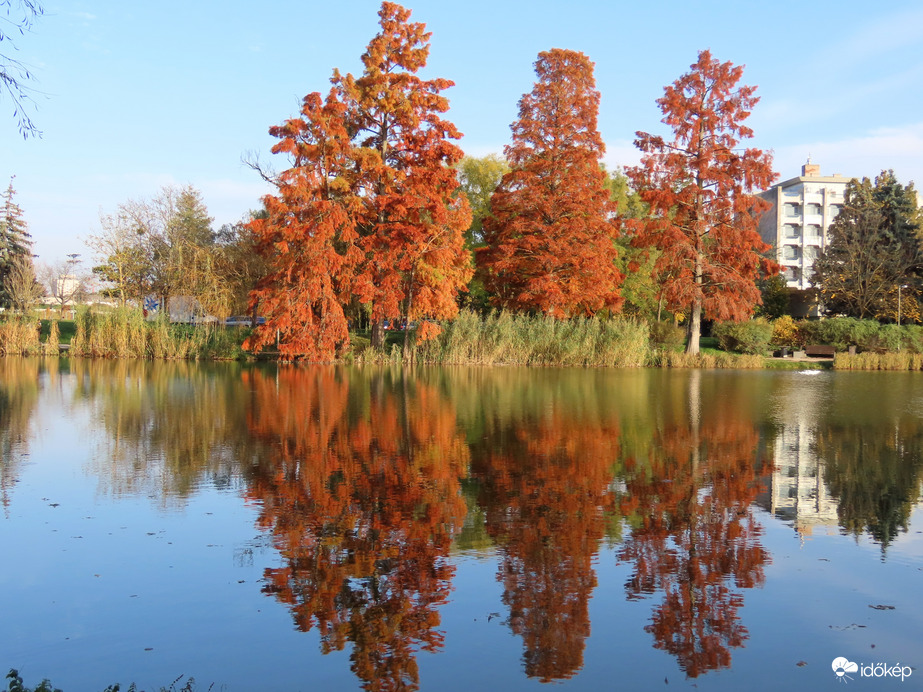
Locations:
131 96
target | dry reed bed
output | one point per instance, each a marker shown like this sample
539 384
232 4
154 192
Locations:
878 361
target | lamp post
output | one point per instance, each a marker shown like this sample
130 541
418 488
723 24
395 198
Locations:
899 287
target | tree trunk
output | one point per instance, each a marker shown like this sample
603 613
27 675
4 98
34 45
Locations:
695 314
253 315
694 330
378 334
408 312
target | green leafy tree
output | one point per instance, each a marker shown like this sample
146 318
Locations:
643 295
874 248
774 292
479 177
164 247
123 256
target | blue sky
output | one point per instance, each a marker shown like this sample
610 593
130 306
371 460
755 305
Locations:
133 96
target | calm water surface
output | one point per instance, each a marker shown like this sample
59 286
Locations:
300 528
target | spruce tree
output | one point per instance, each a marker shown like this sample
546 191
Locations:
15 241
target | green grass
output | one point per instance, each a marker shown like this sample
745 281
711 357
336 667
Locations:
66 330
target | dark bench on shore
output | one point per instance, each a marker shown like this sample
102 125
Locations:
818 351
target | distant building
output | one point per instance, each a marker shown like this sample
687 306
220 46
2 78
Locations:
68 287
796 227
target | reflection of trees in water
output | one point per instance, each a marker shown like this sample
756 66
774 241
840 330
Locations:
867 436
545 475
166 426
874 473
362 495
693 532
19 388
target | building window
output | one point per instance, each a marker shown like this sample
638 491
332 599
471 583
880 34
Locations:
811 252
790 252
792 231
791 209
812 230
815 209
834 209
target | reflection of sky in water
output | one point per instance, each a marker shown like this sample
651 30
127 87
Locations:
150 580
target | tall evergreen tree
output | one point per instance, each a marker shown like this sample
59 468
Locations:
874 256
550 238
15 241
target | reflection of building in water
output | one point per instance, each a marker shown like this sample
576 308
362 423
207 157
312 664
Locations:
797 491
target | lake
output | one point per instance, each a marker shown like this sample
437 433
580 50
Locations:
263 527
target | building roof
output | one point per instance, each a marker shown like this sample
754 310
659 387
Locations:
810 173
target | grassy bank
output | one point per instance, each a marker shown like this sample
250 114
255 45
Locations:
878 361
508 339
499 339
513 339
120 333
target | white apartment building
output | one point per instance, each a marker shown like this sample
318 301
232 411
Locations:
796 227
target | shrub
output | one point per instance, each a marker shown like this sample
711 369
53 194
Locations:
667 335
752 336
785 333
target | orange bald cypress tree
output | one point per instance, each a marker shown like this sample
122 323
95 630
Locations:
703 217
413 222
551 239
308 236
369 210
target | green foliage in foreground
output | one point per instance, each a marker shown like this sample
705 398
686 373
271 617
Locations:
15 684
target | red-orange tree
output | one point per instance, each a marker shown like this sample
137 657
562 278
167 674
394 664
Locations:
550 239
308 235
369 210
414 222
703 217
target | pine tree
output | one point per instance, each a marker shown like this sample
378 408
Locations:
874 247
15 241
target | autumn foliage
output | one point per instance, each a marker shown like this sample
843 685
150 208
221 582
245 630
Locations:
368 212
550 236
698 186
309 235
362 506
545 492
695 538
